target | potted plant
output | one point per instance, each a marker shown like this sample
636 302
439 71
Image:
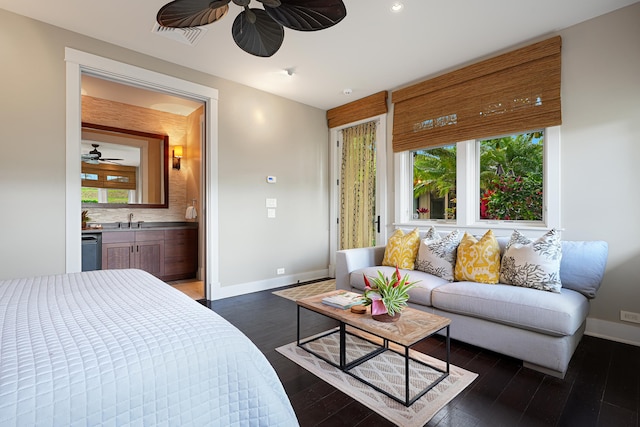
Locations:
387 296
85 219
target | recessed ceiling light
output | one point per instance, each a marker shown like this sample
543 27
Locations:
397 7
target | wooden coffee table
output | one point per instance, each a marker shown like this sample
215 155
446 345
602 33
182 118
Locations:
412 327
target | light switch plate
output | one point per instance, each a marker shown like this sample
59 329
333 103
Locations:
272 203
271 213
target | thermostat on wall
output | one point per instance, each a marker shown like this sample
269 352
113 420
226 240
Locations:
271 179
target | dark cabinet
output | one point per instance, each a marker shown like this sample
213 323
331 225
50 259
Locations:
170 254
134 249
181 253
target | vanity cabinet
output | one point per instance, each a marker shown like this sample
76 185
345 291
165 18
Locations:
181 253
169 254
134 249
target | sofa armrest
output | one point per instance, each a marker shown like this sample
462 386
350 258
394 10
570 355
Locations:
348 260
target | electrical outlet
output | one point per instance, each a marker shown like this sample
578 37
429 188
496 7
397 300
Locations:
629 316
280 271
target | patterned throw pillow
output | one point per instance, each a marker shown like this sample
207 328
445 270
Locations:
437 255
402 249
478 260
533 264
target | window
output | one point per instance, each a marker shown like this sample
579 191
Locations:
511 177
107 195
434 183
495 181
105 183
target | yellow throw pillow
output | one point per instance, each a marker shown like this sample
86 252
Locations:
478 261
402 249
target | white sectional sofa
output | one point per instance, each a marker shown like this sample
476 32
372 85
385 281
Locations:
540 328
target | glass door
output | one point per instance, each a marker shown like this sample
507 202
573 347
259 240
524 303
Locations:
358 197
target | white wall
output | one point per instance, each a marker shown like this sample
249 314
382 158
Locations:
601 151
258 134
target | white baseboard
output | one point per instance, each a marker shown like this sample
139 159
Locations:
263 285
613 331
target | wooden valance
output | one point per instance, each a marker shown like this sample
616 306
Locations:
109 176
513 92
370 106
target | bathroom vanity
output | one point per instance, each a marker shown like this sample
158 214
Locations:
168 250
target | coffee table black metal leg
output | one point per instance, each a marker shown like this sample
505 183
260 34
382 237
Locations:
448 349
406 377
298 327
343 345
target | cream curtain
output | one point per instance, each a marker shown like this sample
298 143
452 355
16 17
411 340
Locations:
358 186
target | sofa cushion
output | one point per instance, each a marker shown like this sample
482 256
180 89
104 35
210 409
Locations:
546 312
402 249
533 263
583 265
478 260
437 255
419 294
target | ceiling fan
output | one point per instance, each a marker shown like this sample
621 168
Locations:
94 156
256 31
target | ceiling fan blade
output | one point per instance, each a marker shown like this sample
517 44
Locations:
191 13
308 15
270 3
262 37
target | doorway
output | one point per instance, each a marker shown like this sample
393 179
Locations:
77 63
358 193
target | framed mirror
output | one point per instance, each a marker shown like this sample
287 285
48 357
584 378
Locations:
123 168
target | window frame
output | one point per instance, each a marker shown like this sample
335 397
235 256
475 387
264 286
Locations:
468 196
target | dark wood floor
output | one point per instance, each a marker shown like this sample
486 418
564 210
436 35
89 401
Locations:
601 388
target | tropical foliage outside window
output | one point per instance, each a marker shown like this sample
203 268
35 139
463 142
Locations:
91 195
434 183
511 179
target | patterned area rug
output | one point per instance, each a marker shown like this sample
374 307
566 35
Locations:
387 372
304 291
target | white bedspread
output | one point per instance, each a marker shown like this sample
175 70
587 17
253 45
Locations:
120 347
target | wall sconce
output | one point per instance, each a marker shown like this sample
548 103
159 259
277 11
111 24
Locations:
177 155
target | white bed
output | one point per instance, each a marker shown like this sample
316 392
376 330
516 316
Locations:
120 347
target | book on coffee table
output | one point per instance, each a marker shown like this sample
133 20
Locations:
344 300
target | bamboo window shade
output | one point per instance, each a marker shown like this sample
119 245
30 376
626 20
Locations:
370 106
513 92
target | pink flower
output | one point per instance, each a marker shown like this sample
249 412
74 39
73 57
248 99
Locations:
377 307
367 285
398 277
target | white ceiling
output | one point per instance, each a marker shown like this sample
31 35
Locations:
371 50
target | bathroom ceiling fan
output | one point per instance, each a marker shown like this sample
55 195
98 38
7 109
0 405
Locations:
94 156
256 31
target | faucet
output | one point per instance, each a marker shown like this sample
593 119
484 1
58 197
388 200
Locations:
130 219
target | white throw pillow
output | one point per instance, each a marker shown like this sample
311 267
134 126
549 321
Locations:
533 263
437 255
